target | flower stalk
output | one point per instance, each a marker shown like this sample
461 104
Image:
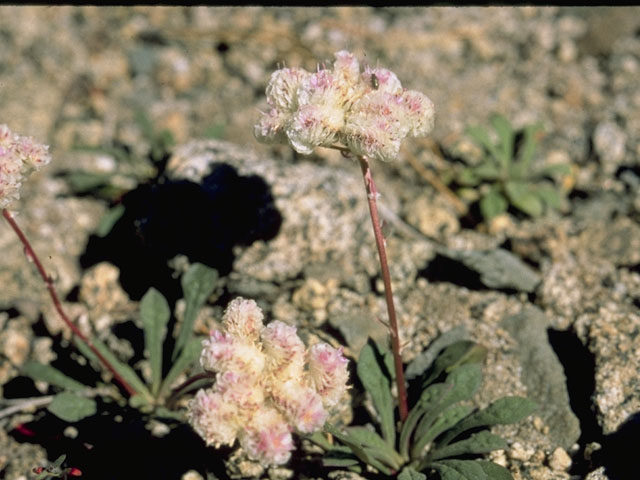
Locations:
363 114
31 254
372 196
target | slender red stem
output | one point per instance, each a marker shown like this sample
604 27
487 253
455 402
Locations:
56 301
372 194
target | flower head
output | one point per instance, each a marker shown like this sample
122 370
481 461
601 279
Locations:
213 418
369 112
19 157
263 391
243 319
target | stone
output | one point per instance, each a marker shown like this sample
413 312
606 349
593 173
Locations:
559 460
609 143
611 335
543 375
498 269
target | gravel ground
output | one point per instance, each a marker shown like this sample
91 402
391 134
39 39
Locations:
100 84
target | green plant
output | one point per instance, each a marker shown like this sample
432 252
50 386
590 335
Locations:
441 425
75 400
505 174
133 169
55 470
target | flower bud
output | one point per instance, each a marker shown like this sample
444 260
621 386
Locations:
243 319
328 371
213 418
420 112
312 126
281 344
301 404
282 90
267 437
270 127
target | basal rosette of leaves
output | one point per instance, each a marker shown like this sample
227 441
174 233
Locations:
368 112
506 175
442 433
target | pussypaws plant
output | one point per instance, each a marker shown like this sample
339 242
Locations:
367 115
268 385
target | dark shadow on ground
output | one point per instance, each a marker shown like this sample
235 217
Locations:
202 221
619 449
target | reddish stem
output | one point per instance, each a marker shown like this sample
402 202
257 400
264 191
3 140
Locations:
56 301
372 194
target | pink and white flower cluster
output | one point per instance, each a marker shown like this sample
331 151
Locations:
369 112
19 157
268 385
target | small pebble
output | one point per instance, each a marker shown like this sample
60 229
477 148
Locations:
560 460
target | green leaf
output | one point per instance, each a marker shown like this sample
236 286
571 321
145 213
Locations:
163 412
339 462
59 461
375 446
523 198
377 384
357 448
527 149
53 469
553 170
71 407
468 178
481 442
460 470
493 204
155 313
161 145
481 137
506 137
409 473
83 182
465 381
138 401
468 194
503 411
188 356
444 422
494 471
550 195
87 352
487 171
215 131
109 220
422 362
124 370
455 354
197 284
49 374
321 440
427 402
